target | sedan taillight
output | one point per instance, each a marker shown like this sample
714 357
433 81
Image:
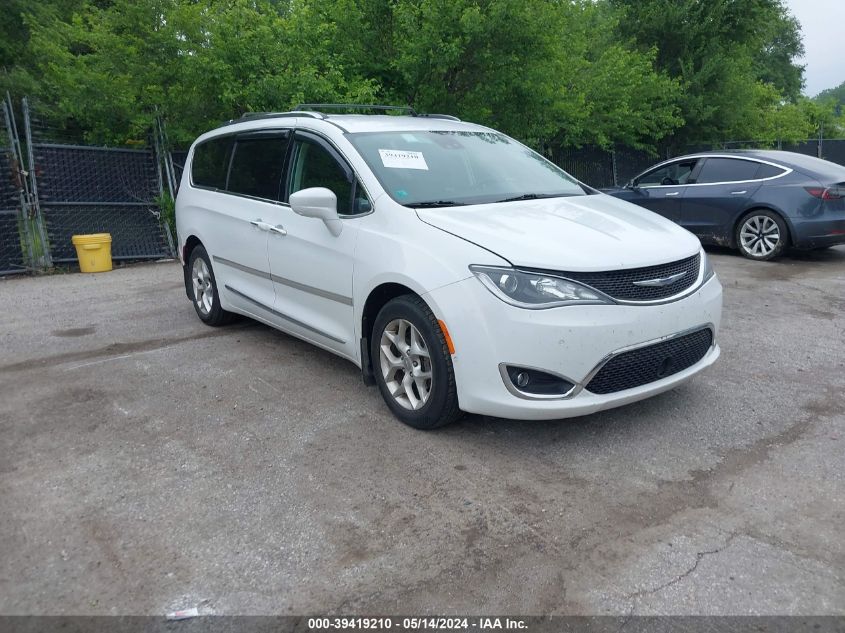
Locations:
827 193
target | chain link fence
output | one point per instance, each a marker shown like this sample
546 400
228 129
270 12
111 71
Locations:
11 249
53 187
83 189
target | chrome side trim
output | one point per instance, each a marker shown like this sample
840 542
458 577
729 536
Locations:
503 370
325 294
284 316
786 172
242 268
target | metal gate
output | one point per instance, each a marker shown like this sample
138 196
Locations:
83 189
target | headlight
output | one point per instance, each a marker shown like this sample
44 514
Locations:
708 267
535 291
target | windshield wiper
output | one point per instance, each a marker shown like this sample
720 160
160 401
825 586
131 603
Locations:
435 203
534 196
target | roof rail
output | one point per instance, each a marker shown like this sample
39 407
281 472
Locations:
448 117
266 115
355 106
252 116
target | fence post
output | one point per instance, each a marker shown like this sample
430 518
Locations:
46 258
613 161
20 178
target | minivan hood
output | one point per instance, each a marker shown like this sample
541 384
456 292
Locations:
578 233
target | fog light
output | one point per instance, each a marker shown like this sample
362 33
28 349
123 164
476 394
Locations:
535 382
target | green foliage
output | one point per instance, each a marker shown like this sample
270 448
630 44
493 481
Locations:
633 72
167 208
720 51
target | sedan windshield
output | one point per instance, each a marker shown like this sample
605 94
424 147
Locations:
441 169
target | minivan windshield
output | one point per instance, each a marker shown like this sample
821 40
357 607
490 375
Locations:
454 168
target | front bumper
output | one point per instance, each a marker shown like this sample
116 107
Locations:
571 341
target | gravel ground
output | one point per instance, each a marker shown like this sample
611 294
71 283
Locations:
149 463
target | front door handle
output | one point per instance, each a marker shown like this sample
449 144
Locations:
278 230
673 193
260 224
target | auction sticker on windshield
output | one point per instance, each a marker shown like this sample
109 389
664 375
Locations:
401 159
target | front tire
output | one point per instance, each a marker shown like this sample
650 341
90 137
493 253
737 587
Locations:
412 364
203 288
762 235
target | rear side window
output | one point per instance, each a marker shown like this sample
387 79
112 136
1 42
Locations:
769 171
727 170
257 166
211 162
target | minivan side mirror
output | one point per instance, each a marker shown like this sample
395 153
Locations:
320 203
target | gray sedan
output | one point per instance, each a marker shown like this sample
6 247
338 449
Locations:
756 201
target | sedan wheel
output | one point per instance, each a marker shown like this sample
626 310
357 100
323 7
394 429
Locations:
761 235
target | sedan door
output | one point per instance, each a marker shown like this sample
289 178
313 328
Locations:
662 189
312 268
722 191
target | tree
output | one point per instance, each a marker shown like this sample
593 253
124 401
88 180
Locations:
719 51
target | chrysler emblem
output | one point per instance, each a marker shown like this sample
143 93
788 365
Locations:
661 281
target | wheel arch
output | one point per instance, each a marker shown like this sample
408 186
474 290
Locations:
378 297
190 244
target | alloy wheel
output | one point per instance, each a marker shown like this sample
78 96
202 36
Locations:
203 287
405 364
759 235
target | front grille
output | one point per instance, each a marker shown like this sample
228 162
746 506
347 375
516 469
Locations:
619 284
647 364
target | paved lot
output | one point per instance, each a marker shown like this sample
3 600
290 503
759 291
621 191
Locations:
149 463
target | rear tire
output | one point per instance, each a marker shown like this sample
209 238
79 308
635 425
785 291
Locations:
761 235
203 289
412 364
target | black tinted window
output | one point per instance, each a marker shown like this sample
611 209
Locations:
313 166
672 174
768 171
727 170
257 166
211 160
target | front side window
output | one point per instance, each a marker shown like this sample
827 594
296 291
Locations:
211 162
312 165
257 166
672 174
717 170
450 168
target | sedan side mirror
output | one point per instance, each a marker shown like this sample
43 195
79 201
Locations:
320 203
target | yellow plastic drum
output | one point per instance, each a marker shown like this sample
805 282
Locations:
93 252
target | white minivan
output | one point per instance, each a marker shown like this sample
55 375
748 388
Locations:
459 269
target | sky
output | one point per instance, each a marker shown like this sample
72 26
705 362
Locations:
822 27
